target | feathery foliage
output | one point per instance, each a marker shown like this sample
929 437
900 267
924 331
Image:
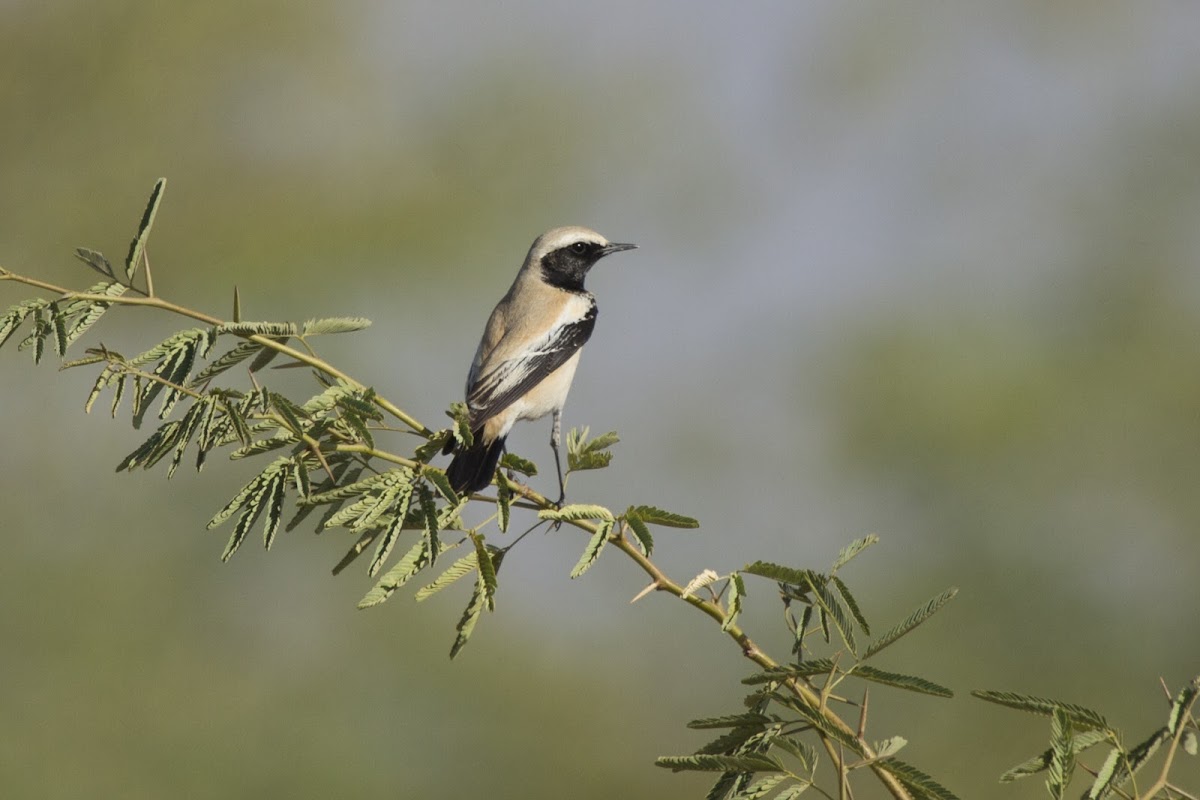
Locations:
788 698
1074 730
341 459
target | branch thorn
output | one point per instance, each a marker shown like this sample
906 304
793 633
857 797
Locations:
654 585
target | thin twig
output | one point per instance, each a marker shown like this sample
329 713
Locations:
862 713
149 277
1181 792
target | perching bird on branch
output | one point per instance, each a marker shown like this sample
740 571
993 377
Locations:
530 348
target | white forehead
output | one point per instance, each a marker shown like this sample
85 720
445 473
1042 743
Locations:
557 238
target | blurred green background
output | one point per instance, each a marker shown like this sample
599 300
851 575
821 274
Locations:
918 270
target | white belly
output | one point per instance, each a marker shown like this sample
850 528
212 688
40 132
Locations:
545 398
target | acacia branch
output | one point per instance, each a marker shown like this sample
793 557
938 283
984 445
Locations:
712 608
157 302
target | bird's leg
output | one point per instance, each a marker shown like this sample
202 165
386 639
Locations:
555 436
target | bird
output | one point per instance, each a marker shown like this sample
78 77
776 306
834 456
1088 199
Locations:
526 359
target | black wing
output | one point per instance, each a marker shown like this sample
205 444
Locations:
508 381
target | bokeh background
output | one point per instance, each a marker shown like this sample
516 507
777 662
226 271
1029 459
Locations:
923 270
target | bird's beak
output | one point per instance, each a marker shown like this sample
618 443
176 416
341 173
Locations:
615 247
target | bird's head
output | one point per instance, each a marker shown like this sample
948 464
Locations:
565 254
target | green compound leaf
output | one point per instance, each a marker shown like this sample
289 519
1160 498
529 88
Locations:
137 248
441 483
748 762
1110 772
737 591
461 430
515 463
749 719
274 496
153 449
275 330
1082 717
792 792
488 561
96 261
922 786
1181 705
107 376
776 572
725 783
59 321
594 547
733 742
94 310
851 550
228 360
800 750
1120 766
404 569
262 493
328 325
890 746
349 516
359 487
188 428
583 454
464 566
667 519
399 506
851 603
830 605
705 578
118 393
428 507
1062 754
471 615
239 499
504 498
576 512
816 666
916 618
761 787
909 682
641 533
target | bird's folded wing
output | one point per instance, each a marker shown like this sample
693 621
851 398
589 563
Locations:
505 382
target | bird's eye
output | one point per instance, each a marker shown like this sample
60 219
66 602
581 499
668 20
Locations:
579 248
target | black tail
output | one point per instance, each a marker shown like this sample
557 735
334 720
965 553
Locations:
472 469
